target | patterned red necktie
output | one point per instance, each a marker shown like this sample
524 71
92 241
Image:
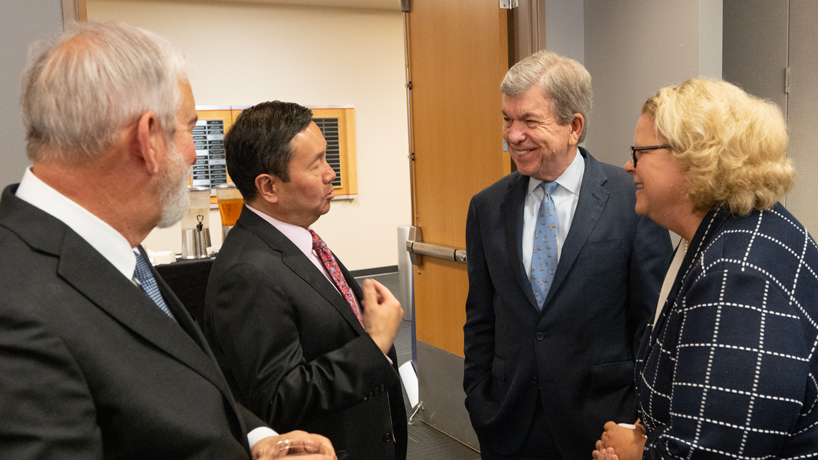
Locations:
334 271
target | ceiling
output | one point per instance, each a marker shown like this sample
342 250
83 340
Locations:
391 5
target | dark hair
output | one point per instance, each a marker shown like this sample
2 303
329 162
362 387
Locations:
259 143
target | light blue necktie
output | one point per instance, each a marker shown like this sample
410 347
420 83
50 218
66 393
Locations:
544 254
147 282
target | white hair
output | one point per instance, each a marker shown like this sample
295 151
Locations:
564 81
80 90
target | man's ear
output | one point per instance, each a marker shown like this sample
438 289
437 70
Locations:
577 127
150 141
266 185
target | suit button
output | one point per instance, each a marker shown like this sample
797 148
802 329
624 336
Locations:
387 436
534 381
540 336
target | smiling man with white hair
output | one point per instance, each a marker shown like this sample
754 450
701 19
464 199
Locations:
563 276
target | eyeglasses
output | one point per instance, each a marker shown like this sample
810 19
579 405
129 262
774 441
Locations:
639 149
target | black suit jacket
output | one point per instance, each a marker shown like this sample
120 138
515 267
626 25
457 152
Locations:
89 365
577 354
292 349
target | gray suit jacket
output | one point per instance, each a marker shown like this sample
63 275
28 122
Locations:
292 349
577 354
89 365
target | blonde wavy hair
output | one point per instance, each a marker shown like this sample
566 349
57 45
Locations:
732 145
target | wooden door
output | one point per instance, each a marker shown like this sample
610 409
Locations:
458 55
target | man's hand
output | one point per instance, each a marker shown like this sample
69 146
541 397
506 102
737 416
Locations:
620 443
294 443
382 314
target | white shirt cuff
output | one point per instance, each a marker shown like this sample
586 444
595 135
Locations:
258 434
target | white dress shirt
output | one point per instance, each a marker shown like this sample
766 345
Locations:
670 277
565 199
101 236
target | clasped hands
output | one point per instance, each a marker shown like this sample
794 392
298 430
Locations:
309 446
621 443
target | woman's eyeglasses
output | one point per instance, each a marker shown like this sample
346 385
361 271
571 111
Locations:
640 149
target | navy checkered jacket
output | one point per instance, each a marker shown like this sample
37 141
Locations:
730 368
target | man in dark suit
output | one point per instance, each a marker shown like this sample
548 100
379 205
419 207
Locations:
301 344
98 359
563 276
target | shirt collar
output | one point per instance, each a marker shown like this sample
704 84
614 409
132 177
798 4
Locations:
300 236
101 236
570 178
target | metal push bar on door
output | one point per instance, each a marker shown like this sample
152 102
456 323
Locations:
417 248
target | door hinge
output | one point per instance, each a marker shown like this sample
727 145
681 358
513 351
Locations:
509 4
404 6
787 80
409 85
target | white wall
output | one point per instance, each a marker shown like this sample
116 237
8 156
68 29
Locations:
249 53
20 24
635 47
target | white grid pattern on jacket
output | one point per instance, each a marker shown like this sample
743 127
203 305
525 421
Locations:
730 371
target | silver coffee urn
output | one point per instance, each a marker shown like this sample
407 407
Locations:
196 224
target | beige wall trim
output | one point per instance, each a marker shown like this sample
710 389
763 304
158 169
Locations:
526 27
73 10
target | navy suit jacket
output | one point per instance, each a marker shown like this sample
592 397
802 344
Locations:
292 349
577 354
90 367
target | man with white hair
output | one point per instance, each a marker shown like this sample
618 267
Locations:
98 358
563 276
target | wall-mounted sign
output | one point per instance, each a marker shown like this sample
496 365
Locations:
210 169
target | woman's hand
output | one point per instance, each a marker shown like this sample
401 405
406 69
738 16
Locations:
620 443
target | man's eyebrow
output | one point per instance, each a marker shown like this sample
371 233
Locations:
522 115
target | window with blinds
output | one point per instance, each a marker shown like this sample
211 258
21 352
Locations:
336 124
338 128
329 128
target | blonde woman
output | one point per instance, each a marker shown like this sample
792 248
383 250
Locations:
729 368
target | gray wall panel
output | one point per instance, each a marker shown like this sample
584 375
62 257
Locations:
565 28
802 110
755 47
21 23
635 47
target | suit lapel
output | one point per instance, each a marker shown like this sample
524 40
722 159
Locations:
117 296
92 275
296 261
511 211
701 240
592 199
